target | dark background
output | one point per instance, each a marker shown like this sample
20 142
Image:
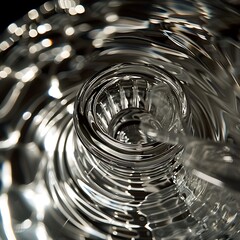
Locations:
12 10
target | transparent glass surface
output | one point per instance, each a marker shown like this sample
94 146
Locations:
120 120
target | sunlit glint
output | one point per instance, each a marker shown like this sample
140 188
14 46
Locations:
5 71
112 17
33 14
44 28
48 6
46 42
69 31
4 45
33 33
79 9
54 90
66 4
40 46
26 115
27 74
12 27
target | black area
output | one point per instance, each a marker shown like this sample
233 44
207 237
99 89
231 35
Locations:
12 10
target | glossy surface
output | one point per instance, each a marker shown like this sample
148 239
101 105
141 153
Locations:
75 79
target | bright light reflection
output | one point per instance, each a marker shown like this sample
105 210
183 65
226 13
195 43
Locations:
5 175
39 200
109 30
64 53
66 4
33 14
111 17
39 46
49 139
12 27
48 6
97 43
64 101
26 115
33 33
27 74
79 9
72 11
4 45
44 28
202 36
19 31
13 96
207 178
41 232
69 31
25 224
70 108
47 42
196 26
35 48
5 72
10 141
5 215
228 159
54 90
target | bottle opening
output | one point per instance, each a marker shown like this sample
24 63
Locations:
110 107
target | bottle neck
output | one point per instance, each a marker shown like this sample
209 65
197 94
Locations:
109 110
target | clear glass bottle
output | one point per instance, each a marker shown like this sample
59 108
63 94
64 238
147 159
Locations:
76 85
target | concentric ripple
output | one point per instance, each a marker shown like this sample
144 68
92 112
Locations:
76 79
